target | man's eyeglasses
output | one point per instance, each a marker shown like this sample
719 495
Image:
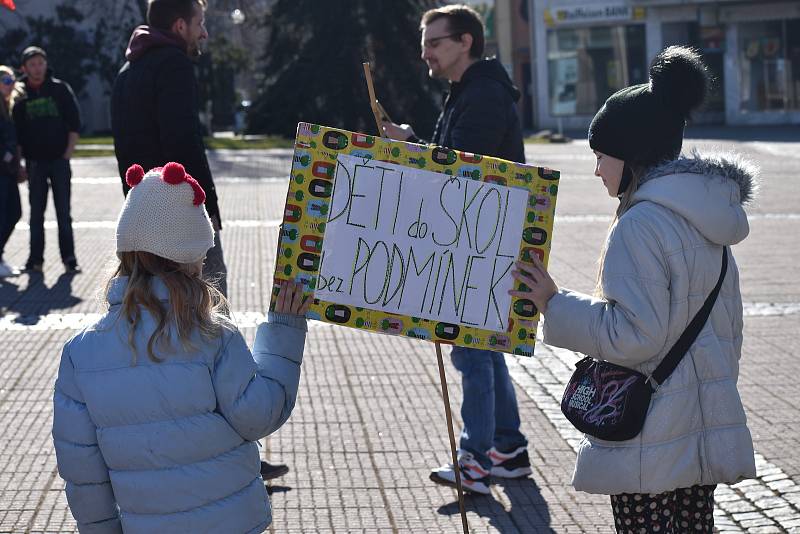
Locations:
7 80
432 42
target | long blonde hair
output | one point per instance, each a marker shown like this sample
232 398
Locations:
5 106
625 203
193 302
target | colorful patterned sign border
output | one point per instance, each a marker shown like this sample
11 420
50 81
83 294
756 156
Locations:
308 201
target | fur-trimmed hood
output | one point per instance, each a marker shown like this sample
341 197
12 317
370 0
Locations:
708 191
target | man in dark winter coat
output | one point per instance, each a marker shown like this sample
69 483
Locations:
479 116
47 120
154 114
155 104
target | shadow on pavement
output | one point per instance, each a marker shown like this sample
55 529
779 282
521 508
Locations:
525 511
31 299
272 489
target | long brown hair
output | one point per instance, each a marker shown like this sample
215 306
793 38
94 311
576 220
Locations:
193 302
625 202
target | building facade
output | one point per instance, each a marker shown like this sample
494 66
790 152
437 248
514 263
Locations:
585 50
512 30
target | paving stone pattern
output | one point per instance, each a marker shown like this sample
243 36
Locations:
369 421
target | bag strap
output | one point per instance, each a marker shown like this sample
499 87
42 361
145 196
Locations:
681 347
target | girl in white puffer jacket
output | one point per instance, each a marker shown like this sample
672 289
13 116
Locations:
661 260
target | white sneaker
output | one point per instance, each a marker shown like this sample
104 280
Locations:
474 478
512 464
6 270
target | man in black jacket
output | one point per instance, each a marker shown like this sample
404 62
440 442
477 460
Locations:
479 116
479 112
47 120
155 104
154 115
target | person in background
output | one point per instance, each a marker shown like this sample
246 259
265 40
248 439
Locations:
156 91
479 116
155 106
48 122
10 205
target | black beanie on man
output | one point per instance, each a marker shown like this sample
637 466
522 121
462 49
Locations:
643 124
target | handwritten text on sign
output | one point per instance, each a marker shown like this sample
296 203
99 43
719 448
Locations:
421 243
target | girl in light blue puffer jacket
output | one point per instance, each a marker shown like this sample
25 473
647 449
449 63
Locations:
159 404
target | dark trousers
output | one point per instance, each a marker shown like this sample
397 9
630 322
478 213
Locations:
10 209
672 512
214 268
58 174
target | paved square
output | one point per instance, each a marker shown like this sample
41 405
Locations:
369 421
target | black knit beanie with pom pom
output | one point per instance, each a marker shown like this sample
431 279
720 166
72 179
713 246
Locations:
643 124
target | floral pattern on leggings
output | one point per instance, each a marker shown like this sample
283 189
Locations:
684 510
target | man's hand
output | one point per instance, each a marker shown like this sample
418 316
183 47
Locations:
400 132
22 174
72 140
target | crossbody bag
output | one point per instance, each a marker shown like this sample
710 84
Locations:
611 402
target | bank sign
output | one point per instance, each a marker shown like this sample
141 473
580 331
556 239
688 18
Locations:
593 13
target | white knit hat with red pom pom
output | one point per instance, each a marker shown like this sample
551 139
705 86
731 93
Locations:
164 214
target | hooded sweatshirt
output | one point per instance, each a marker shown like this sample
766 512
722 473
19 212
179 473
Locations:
480 115
44 116
154 110
144 38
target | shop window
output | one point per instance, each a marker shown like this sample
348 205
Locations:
770 65
587 65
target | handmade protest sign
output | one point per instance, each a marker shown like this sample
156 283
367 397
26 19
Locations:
444 256
414 240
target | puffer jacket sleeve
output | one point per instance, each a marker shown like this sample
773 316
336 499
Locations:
256 393
80 463
630 325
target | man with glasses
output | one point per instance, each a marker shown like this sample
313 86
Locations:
479 116
47 120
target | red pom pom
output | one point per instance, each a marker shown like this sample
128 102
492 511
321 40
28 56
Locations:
134 175
173 173
199 194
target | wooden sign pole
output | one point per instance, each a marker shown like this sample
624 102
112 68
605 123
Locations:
446 398
373 102
378 112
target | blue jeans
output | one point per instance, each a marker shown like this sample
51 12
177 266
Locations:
59 175
489 409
